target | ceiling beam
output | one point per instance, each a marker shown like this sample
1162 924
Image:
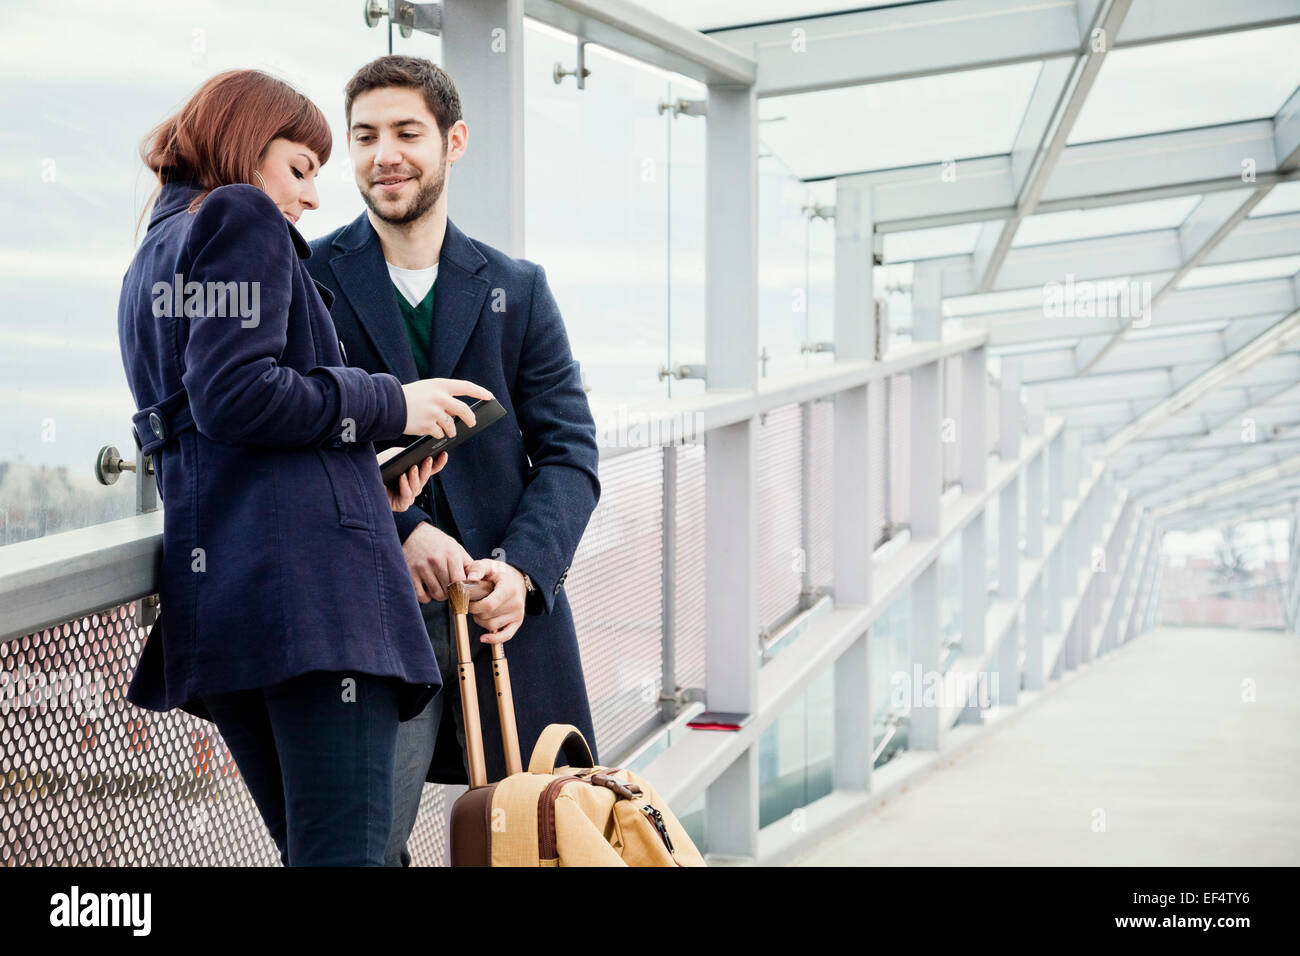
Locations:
1217 217
1261 347
896 43
1230 302
1186 444
1052 131
831 51
1244 482
1088 175
1134 262
640 33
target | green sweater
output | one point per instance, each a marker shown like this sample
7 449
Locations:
418 321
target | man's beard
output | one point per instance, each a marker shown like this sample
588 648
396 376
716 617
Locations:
424 200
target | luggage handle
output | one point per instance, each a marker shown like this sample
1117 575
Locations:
458 603
557 738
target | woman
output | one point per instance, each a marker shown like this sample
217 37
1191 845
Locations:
287 613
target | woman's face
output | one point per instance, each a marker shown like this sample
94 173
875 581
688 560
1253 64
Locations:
290 170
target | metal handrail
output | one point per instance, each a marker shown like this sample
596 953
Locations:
63 576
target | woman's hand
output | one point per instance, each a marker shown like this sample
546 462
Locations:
409 483
431 405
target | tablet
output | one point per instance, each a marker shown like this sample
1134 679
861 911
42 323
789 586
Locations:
486 411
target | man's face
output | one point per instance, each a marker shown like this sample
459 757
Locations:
397 154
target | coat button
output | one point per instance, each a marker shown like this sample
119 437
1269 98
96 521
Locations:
156 423
337 442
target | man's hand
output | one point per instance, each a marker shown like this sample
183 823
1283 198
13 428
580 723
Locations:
409 483
501 612
435 559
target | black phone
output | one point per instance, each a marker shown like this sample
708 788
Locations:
486 411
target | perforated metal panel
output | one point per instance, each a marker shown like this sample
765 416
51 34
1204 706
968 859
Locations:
780 485
821 493
688 606
615 587
993 415
951 428
88 779
428 842
900 448
877 462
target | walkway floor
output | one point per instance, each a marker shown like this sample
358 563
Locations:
1156 740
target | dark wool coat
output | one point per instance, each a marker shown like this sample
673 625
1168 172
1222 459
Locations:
522 491
280 554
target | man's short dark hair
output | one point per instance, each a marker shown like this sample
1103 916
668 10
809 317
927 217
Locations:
413 72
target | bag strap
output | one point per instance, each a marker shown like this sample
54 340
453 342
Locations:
554 739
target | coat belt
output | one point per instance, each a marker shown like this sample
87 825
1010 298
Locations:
159 424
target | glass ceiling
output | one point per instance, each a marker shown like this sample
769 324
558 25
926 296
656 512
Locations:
731 13
928 119
1231 76
1277 268
1282 198
1206 81
931 243
1105 221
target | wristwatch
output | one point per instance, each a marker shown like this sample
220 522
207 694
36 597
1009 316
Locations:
531 604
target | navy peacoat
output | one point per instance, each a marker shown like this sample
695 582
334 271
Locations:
280 553
521 492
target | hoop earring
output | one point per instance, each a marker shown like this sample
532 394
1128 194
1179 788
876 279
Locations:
259 176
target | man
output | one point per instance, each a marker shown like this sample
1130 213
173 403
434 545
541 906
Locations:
416 297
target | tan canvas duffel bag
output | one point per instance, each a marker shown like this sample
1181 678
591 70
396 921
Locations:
575 814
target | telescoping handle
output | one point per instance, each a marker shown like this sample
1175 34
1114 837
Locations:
458 600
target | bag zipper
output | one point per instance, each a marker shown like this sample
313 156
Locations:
546 846
547 849
657 821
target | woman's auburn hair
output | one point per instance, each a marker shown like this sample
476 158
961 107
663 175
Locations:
220 136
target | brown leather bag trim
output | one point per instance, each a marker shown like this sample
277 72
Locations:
472 845
628 791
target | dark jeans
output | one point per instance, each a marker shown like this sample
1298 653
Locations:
317 756
416 737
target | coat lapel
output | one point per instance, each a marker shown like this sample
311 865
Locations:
458 297
363 277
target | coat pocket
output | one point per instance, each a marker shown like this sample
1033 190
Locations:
345 486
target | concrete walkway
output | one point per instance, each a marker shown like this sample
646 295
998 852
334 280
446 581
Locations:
1155 741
